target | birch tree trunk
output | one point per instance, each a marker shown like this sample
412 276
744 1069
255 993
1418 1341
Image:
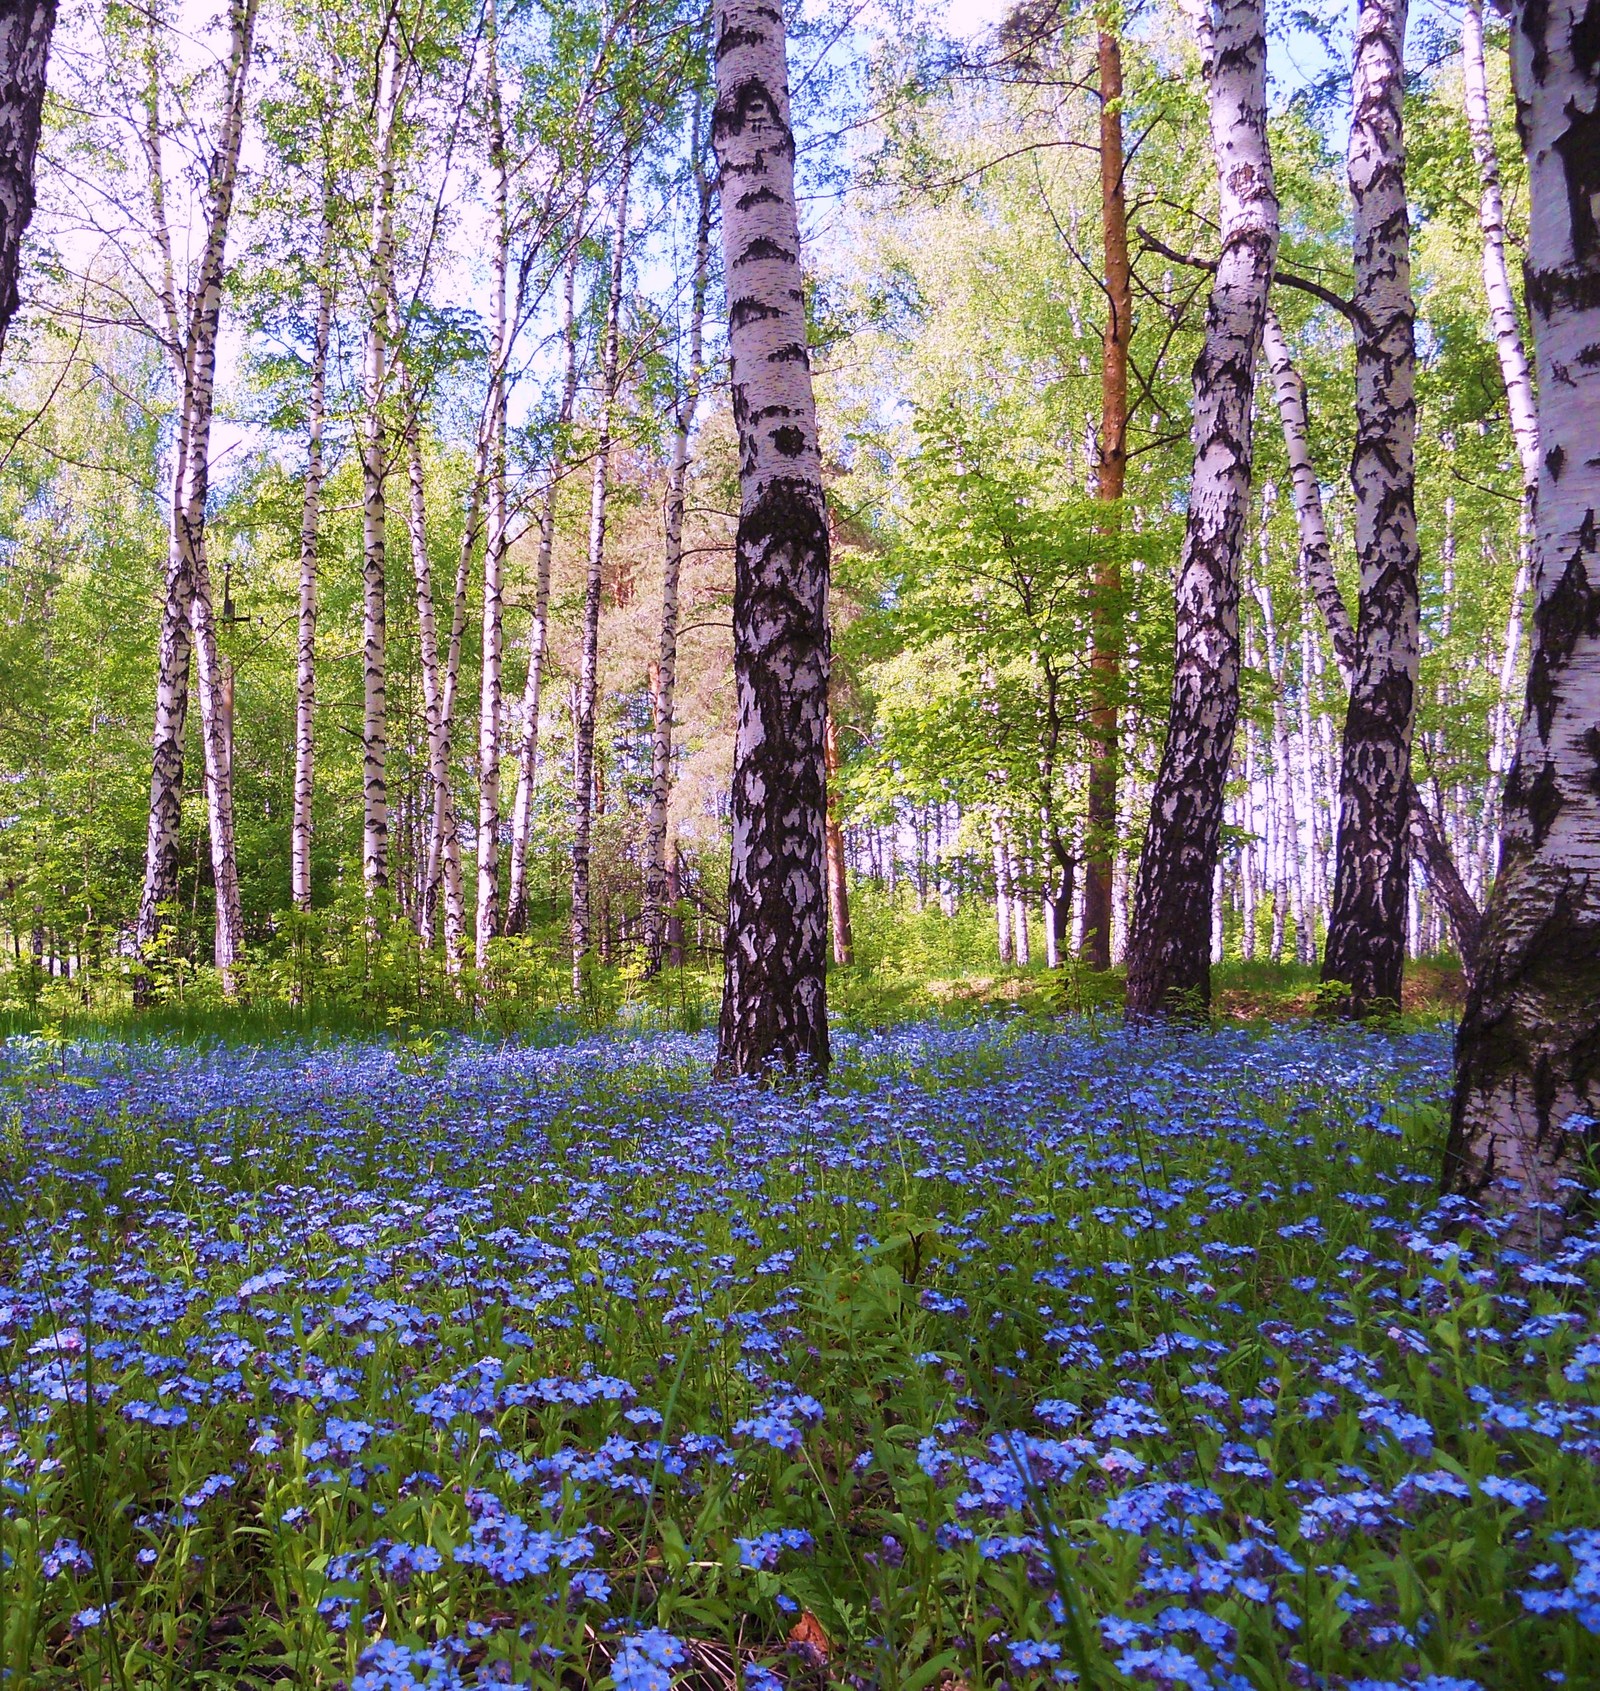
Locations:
1365 953
1111 470
305 701
1527 1095
1002 886
589 663
187 625
774 999
655 857
374 468
844 949
494 548
1316 563
25 30
539 630
1169 954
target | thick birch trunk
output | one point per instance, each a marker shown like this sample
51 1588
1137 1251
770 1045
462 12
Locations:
774 1000
305 696
1528 1053
188 585
589 663
25 30
1365 953
374 517
539 629
494 548
655 857
1169 967
1105 662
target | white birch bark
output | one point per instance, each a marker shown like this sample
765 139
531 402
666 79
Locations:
1528 1085
589 662
655 855
774 1000
374 469
1169 966
188 627
305 701
494 549
539 628
25 31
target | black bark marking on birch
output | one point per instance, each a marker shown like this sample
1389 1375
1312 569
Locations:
1570 613
1580 161
1541 799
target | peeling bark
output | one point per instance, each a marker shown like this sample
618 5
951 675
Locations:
1365 952
1527 1094
774 1000
25 30
1169 954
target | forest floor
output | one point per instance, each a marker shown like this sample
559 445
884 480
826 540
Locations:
1021 1355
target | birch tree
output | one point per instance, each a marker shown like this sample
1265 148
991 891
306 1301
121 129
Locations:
187 626
25 31
666 671
1169 953
774 997
1527 1100
1365 951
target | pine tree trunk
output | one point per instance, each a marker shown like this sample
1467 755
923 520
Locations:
1169 967
844 948
539 629
1365 952
1528 1053
494 547
589 667
187 600
774 999
655 853
305 700
374 468
1105 662
25 30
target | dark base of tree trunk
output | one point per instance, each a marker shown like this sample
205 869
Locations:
774 1000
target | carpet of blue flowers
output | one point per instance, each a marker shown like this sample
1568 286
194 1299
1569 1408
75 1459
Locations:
1014 1359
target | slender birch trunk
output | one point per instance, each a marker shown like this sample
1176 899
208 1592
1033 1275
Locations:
1111 470
1527 1081
1365 954
539 630
305 700
25 31
589 665
444 839
187 626
494 549
774 1000
374 469
844 950
1002 886
1169 963
655 869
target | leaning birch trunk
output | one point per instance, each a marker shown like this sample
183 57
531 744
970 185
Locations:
774 997
1169 953
1316 562
655 855
539 628
1365 953
374 610
188 586
589 663
1527 1096
494 548
305 697
25 31
1111 471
